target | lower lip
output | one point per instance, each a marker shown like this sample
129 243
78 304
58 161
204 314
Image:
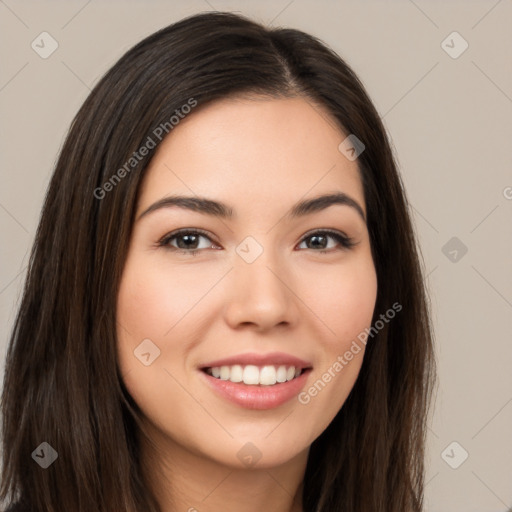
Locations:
258 397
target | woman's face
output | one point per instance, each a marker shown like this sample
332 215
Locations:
267 296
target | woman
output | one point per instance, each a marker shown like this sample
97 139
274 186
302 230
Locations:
224 308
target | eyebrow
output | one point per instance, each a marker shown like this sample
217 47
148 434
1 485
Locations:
223 211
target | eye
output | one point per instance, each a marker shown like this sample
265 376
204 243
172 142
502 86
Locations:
319 240
187 241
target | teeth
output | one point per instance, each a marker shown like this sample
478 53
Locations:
224 372
236 374
268 376
253 375
281 374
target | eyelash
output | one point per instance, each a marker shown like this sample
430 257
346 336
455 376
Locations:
345 241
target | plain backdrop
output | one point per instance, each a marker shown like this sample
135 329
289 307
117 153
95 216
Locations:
448 111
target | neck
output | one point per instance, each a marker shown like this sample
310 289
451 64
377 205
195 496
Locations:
184 481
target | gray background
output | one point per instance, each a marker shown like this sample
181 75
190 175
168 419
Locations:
449 120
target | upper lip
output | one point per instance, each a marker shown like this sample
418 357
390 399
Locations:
272 358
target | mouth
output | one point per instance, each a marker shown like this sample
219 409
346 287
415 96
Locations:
252 375
256 381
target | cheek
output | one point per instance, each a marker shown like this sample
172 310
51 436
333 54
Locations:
149 306
153 299
164 306
344 300
145 311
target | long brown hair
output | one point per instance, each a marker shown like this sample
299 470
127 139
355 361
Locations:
62 383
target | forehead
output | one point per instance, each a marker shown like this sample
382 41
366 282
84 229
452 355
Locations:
253 152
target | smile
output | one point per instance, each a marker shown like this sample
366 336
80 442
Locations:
252 375
257 381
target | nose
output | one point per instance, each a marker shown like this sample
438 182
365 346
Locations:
261 296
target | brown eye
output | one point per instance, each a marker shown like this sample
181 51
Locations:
185 241
320 240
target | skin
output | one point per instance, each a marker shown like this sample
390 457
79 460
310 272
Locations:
260 156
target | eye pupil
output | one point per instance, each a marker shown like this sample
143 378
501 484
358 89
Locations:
190 238
315 238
